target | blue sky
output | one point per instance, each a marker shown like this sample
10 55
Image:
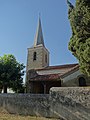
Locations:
18 23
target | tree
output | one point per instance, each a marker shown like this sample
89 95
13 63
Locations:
11 73
79 44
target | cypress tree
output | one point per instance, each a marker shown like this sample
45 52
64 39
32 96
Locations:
79 44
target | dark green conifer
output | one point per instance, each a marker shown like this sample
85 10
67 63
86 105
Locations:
79 43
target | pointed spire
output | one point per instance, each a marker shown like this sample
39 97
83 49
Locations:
39 35
70 4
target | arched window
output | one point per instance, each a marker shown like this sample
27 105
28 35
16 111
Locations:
82 81
34 56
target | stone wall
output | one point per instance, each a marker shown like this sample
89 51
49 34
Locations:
70 103
25 104
73 79
65 103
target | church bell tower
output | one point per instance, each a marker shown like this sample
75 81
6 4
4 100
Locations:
38 55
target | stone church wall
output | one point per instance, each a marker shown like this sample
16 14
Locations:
66 103
72 80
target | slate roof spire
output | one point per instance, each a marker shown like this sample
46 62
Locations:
70 4
39 35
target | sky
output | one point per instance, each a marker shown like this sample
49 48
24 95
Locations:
18 23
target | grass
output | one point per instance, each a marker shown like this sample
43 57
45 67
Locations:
4 115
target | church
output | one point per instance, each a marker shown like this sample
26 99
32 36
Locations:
40 77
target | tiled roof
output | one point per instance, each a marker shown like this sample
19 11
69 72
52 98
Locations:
70 71
54 77
50 77
58 67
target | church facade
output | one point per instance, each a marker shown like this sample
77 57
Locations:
40 77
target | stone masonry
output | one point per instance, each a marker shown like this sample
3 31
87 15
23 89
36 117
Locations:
65 103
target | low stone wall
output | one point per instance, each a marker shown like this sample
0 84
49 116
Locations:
65 103
25 104
70 103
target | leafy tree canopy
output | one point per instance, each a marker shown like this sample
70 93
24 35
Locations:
11 73
79 44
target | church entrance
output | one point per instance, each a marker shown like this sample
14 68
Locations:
38 88
43 87
82 81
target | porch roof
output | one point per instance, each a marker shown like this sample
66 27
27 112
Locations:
50 77
56 76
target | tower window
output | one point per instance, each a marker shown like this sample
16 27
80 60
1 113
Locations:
34 56
46 58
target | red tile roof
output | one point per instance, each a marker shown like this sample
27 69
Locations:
70 71
59 67
50 77
54 77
